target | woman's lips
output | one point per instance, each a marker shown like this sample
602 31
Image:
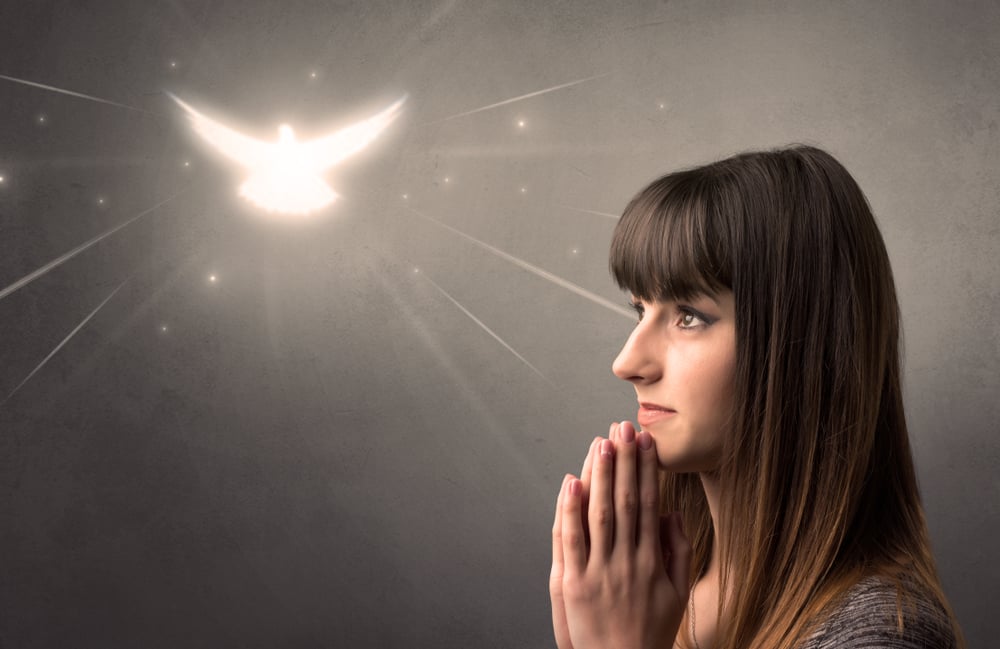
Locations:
649 416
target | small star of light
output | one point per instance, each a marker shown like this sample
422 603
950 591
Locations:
416 270
1 179
520 123
173 64
574 251
212 278
405 196
100 201
187 164
524 190
447 179
312 75
41 119
163 328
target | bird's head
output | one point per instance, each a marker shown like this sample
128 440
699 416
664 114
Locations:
285 134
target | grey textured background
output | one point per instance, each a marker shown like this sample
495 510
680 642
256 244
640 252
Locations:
322 450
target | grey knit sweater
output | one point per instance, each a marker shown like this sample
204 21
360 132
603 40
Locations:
867 619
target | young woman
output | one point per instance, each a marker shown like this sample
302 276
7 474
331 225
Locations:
766 363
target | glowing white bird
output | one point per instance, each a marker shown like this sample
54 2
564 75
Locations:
285 175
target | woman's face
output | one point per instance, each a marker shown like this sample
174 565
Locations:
682 356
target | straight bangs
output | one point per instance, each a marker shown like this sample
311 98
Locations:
668 245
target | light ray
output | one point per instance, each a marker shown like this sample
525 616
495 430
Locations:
490 332
518 98
580 209
77 94
465 386
30 277
64 341
544 274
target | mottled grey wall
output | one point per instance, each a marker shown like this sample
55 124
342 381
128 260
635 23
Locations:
320 449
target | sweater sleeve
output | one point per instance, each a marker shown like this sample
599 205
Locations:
868 618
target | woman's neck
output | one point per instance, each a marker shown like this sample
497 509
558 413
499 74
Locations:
710 483
705 597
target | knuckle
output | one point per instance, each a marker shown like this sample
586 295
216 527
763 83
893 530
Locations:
573 539
646 564
604 516
556 585
628 501
649 499
574 588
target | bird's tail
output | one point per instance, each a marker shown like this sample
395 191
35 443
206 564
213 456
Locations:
286 195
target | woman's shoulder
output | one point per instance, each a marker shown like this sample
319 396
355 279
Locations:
869 616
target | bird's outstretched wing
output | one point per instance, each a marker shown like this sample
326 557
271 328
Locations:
243 149
327 151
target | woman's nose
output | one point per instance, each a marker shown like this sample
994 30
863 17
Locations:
636 361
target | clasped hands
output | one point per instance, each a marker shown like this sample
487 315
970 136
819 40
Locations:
620 572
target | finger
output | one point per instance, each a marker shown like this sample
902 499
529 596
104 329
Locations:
574 550
648 528
559 623
625 490
585 475
679 566
588 463
557 557
601 509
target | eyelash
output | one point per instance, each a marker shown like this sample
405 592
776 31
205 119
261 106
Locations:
684 310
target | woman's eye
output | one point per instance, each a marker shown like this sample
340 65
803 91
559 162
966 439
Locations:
688 317
691 319
686 323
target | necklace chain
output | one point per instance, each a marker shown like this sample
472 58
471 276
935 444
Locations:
693 636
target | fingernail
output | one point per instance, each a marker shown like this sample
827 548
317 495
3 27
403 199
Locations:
645 440
574 487
607 448
627 432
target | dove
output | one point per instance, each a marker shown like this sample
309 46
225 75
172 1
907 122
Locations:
285 176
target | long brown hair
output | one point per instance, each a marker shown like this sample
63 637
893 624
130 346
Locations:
817 474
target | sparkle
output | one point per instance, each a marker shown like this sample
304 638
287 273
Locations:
524 190
312 75
173 64
574 251
1 179
163 328
187 164
405 196
661 106
212 278
520 123
100 201
447 179
41 119
416 270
